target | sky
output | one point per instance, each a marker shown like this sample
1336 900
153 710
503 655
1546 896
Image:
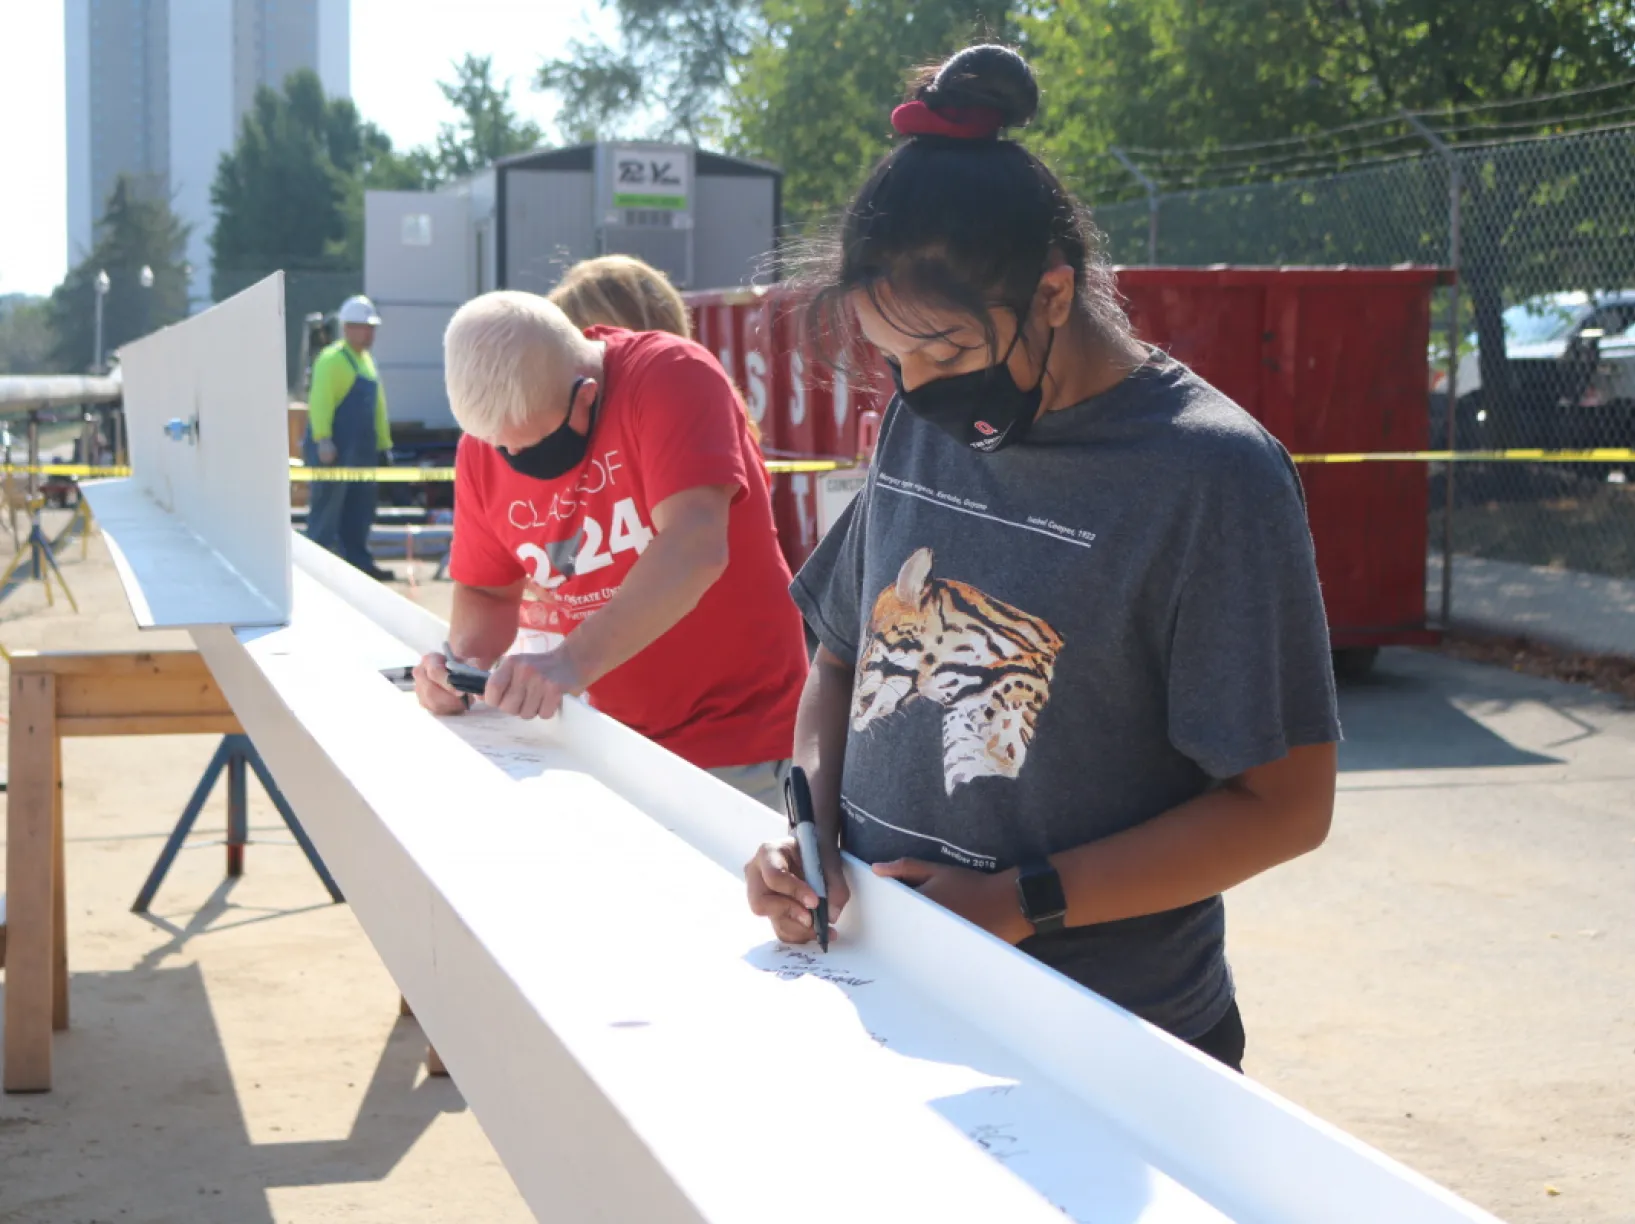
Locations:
400 50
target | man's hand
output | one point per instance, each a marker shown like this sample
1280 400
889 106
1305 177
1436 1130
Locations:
327 454
533 685
985 899
778 890
432 687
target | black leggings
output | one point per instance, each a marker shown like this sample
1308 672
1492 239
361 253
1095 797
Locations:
1225 1041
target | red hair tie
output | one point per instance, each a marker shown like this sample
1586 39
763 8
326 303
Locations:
962 122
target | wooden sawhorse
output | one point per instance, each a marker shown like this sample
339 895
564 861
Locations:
54 696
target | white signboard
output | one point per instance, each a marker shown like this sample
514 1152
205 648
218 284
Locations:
834 491
650 178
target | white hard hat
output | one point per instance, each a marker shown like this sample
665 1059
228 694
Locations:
359 309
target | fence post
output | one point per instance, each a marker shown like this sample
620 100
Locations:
1152 202
1455 192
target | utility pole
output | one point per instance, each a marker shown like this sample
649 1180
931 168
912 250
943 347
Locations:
1455 195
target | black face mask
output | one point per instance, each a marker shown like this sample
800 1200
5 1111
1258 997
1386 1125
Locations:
558 452
984 409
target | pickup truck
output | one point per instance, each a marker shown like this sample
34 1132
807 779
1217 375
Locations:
1572 360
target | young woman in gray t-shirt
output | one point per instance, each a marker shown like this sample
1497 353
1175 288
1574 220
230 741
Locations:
1074 677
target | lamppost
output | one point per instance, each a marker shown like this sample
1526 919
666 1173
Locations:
102 283
102 292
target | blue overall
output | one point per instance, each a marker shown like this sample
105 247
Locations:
340 513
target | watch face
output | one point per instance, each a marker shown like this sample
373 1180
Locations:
1042 894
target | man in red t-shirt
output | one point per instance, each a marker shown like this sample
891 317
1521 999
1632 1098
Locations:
613 536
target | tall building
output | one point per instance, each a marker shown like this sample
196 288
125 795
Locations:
157 90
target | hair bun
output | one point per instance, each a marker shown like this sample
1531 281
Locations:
984 76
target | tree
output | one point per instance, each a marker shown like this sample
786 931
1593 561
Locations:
379 168
25 335
285 193
1179 75
1179 79
818 85
676 64
489 127
134 233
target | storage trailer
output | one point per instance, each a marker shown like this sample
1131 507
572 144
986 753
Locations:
704 219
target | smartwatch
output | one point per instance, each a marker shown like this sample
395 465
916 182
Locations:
1039 893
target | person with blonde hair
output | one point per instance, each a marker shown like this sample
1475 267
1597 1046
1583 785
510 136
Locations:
613 537
622 291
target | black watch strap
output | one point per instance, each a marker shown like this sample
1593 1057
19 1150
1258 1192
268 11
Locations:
1039 894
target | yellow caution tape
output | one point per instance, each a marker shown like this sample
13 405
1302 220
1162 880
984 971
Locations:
400 475
82 470
397 475
1611 454
781 466
443 475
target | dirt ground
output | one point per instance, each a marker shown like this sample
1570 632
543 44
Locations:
236 1056
1450 978
1604 673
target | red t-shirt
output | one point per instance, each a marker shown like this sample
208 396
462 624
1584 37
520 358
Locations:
721 686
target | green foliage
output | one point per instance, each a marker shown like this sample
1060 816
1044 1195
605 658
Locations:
675 66
281 195
1180 84
25 335
1231 106
818 85
489 128
1174 74
290 194
597 88
134 233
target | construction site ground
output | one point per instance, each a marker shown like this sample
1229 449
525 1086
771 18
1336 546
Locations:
1448 978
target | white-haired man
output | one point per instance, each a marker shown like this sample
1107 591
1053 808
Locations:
613 536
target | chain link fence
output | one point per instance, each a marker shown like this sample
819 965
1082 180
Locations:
1542 232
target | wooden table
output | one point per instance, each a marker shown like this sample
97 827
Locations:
53 696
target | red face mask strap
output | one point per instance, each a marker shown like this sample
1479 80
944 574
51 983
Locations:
959 123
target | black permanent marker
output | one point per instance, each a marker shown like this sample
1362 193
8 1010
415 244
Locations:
797 797
468 681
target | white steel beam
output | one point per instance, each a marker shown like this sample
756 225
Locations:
200 529
562 903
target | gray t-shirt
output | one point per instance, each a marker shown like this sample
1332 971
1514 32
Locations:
1070 637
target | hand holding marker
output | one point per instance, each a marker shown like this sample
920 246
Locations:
468 681
797 798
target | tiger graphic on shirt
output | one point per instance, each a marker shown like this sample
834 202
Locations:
987 664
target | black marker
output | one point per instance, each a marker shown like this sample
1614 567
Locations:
465 680
797 797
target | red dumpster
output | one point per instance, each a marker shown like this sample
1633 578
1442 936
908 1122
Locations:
804 410
1330 360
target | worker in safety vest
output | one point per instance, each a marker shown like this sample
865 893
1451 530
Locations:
347 427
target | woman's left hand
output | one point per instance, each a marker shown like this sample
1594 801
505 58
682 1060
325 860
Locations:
985 899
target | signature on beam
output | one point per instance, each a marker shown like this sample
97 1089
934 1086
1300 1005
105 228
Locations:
794 964
998 1141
